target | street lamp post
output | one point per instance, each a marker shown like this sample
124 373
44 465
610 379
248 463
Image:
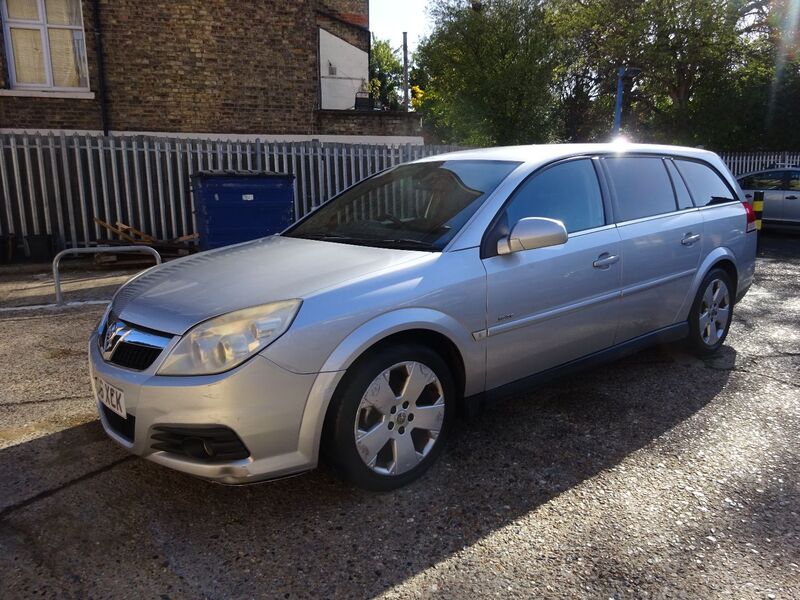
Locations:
622 74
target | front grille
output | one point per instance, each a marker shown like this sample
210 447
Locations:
134 356
123 427
210 443
131 346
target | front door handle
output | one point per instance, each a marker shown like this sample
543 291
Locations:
791 197
605 260
690 238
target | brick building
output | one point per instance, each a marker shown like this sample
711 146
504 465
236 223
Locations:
280 69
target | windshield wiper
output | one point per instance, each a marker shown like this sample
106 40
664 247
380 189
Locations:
399 243
407 242
325 236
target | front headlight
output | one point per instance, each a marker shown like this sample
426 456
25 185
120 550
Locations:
225 342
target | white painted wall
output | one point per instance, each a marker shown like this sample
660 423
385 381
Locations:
352 69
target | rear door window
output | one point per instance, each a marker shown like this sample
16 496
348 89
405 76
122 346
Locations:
568 192
705 185
642 187
768 180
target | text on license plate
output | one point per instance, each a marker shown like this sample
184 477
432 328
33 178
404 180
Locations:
113 398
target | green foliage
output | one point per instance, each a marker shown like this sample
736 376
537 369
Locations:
719 73
386 75
488 72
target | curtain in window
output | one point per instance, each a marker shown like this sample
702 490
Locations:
28 53
26 10
63 12
66 58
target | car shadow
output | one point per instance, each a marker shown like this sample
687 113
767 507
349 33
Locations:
126 524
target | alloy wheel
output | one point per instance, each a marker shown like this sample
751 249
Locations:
715 309
399 418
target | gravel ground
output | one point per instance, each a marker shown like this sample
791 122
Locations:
658 476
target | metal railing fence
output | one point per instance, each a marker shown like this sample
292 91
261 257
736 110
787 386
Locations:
746 162
57 185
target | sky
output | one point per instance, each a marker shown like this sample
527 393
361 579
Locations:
388 19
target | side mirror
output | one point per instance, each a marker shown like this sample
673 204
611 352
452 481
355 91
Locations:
531 233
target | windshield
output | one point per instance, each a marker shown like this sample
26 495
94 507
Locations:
417 206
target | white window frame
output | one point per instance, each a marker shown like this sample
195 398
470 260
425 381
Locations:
42 27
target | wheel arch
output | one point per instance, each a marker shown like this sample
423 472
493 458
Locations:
431 328
720 257
727 265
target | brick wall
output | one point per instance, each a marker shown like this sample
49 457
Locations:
351 11
352 122
208 66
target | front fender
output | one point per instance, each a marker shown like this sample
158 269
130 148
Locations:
406 319
367 335
713 257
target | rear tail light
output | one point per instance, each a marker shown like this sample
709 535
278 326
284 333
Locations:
751 217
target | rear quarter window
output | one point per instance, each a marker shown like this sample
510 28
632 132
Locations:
705 185
642 187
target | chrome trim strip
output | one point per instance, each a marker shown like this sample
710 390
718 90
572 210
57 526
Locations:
641 287
551 313
145 338
659 216
592 230
720 205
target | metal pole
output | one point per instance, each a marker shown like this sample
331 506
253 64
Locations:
97 250
101 68
405 71
618 107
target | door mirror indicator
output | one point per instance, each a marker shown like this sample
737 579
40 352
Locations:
531 233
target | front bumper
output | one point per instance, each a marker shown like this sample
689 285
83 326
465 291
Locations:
261 402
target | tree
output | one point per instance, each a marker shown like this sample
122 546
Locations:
385 74
718 73
488 71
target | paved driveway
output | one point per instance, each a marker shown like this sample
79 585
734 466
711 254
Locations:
660 475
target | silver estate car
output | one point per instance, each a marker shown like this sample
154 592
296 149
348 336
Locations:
781 188
433 287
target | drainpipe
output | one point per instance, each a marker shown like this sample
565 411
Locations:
101 67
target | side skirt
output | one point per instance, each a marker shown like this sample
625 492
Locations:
474 404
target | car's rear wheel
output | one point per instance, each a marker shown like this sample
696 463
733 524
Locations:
711 314
390 418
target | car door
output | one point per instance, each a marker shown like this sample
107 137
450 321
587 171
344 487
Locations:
550 305
791 198
661 242
772 184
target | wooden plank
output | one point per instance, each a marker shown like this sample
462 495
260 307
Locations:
113 229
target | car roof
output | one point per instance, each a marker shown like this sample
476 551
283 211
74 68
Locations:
544 153
783 168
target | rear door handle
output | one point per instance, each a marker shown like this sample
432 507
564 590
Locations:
791 197
748 195
605 260
690 238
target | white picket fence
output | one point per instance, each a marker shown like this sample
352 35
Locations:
57 185
746 162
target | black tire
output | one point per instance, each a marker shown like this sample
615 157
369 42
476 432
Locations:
702 341
339 447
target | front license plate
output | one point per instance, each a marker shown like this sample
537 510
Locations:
113 398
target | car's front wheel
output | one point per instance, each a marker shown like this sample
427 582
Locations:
389 420
711 314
